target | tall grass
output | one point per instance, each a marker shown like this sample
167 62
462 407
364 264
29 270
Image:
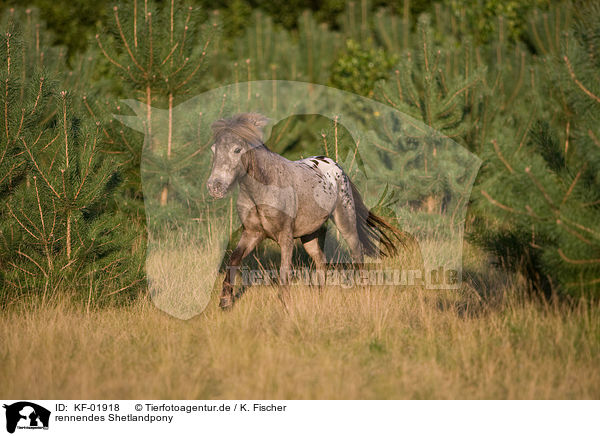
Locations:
375 342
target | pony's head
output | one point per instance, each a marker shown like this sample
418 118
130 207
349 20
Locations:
234 139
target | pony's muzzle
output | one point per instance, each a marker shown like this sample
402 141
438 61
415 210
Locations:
216 188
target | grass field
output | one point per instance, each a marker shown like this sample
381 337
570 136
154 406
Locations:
338 344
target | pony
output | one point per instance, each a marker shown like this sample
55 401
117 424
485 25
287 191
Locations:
283 200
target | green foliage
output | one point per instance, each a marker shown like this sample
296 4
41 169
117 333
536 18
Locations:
54 223
160 55
422 89
545 27
259 51
316 43
74 22
499 78
544 196
485 16
358 68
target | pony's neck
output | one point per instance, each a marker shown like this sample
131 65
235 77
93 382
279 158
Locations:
256 161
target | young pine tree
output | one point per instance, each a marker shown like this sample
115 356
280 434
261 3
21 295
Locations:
425 88
55 230
544 197
161 54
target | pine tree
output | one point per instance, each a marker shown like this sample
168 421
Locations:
542 197
264 52
393 32
161 56
422 88
55 230
24 99
316 43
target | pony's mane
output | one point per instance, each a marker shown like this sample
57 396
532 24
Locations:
247 126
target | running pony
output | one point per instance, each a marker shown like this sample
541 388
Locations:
283 200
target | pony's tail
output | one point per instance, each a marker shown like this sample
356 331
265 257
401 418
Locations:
373 229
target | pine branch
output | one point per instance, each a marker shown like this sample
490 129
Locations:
578 83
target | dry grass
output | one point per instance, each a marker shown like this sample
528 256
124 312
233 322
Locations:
340 344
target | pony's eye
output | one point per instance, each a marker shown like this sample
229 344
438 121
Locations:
237 150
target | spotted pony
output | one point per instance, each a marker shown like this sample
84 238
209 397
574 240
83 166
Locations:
283 200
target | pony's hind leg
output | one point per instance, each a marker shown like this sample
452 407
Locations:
312 247
247 243
285 239
344 217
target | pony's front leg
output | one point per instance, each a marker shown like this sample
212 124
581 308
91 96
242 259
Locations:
286 242
247 243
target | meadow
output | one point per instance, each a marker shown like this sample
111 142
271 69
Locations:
487 340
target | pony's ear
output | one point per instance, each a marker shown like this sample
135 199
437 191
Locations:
218 125
259 120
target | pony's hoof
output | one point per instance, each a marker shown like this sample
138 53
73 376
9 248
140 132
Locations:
226 303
